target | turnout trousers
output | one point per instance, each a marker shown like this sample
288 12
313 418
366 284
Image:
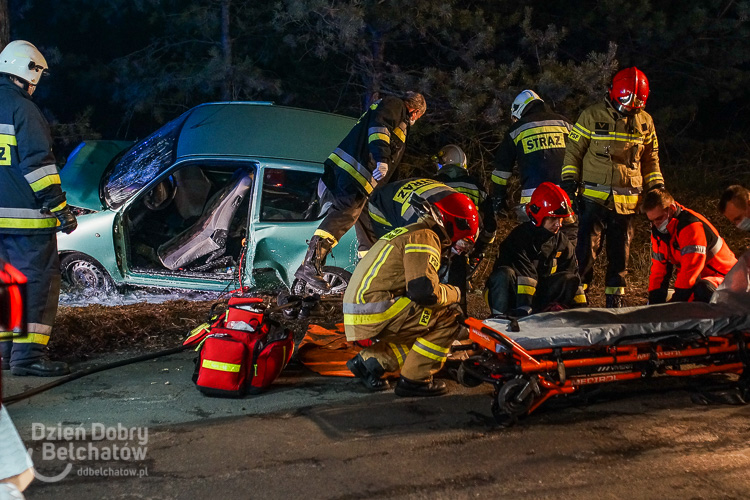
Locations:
419 347
36 257
502 289
600 226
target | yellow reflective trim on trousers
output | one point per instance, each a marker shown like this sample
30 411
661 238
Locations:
6 336
379 219
499 180
372 273
351 171
371 319
592 193
219 366
400 350
615 290
12 223
325 234
379 137
428 344
46 181
526 290
426 348
32 338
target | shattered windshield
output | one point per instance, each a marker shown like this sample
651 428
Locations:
142 163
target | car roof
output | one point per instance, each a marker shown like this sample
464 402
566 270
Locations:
261 130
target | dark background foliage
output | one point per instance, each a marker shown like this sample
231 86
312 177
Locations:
121 68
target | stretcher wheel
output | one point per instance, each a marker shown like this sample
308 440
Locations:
513 400
465 378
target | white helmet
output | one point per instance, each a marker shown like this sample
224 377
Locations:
20 58
521 101
451 155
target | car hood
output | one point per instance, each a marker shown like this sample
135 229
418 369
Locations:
82 174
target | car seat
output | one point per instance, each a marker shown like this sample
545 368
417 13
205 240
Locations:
209 234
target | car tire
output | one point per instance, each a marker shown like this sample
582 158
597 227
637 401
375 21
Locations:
85 274
337 277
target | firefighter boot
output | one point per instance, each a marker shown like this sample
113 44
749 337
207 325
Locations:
614 301
29 359
412 388
310 270
369 372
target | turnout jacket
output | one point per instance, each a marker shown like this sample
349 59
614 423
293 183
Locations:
378 136
29 179
614 156
399 273
536 254
537 143
693 246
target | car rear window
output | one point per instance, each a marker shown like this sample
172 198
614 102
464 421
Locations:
142 163
289 195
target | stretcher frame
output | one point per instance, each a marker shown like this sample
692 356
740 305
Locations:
524 379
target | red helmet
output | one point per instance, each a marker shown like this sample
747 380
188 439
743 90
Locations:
629 91
548 200
460 217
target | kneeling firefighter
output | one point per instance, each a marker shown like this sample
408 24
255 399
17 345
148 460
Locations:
536 266
396 299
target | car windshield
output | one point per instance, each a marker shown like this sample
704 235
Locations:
142 163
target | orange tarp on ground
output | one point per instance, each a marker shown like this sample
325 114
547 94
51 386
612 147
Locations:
326 351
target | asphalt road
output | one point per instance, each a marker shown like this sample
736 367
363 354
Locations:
323 438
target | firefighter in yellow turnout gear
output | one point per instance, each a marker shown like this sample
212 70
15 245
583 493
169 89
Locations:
396 299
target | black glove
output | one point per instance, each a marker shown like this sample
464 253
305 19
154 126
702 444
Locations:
571 188
475 258
518 313
659 185
68 221
500 207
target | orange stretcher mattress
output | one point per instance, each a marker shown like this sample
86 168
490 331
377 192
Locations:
326 351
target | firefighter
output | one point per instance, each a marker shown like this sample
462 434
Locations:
367 157
612 155
32 207
684 240
396 299
536 266
453 171
536 141
734 204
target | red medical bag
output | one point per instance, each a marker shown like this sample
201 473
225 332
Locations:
241 352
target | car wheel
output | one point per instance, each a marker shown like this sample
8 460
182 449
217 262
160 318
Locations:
84 274
335 276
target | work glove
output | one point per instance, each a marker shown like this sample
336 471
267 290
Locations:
68 221
381 169
571 188
519 312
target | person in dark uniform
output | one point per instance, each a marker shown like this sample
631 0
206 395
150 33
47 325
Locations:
32 208
367 157
536 268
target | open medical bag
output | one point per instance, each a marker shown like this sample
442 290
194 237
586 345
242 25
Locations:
242 351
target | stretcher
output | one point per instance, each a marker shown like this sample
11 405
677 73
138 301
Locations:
532 359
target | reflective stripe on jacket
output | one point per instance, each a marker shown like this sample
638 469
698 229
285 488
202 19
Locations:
693 246
614 156
535 254
537 143
400 270
29 178
378 136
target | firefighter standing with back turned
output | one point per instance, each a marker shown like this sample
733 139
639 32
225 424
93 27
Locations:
32 208
536 141
612 154
396 299
368 156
